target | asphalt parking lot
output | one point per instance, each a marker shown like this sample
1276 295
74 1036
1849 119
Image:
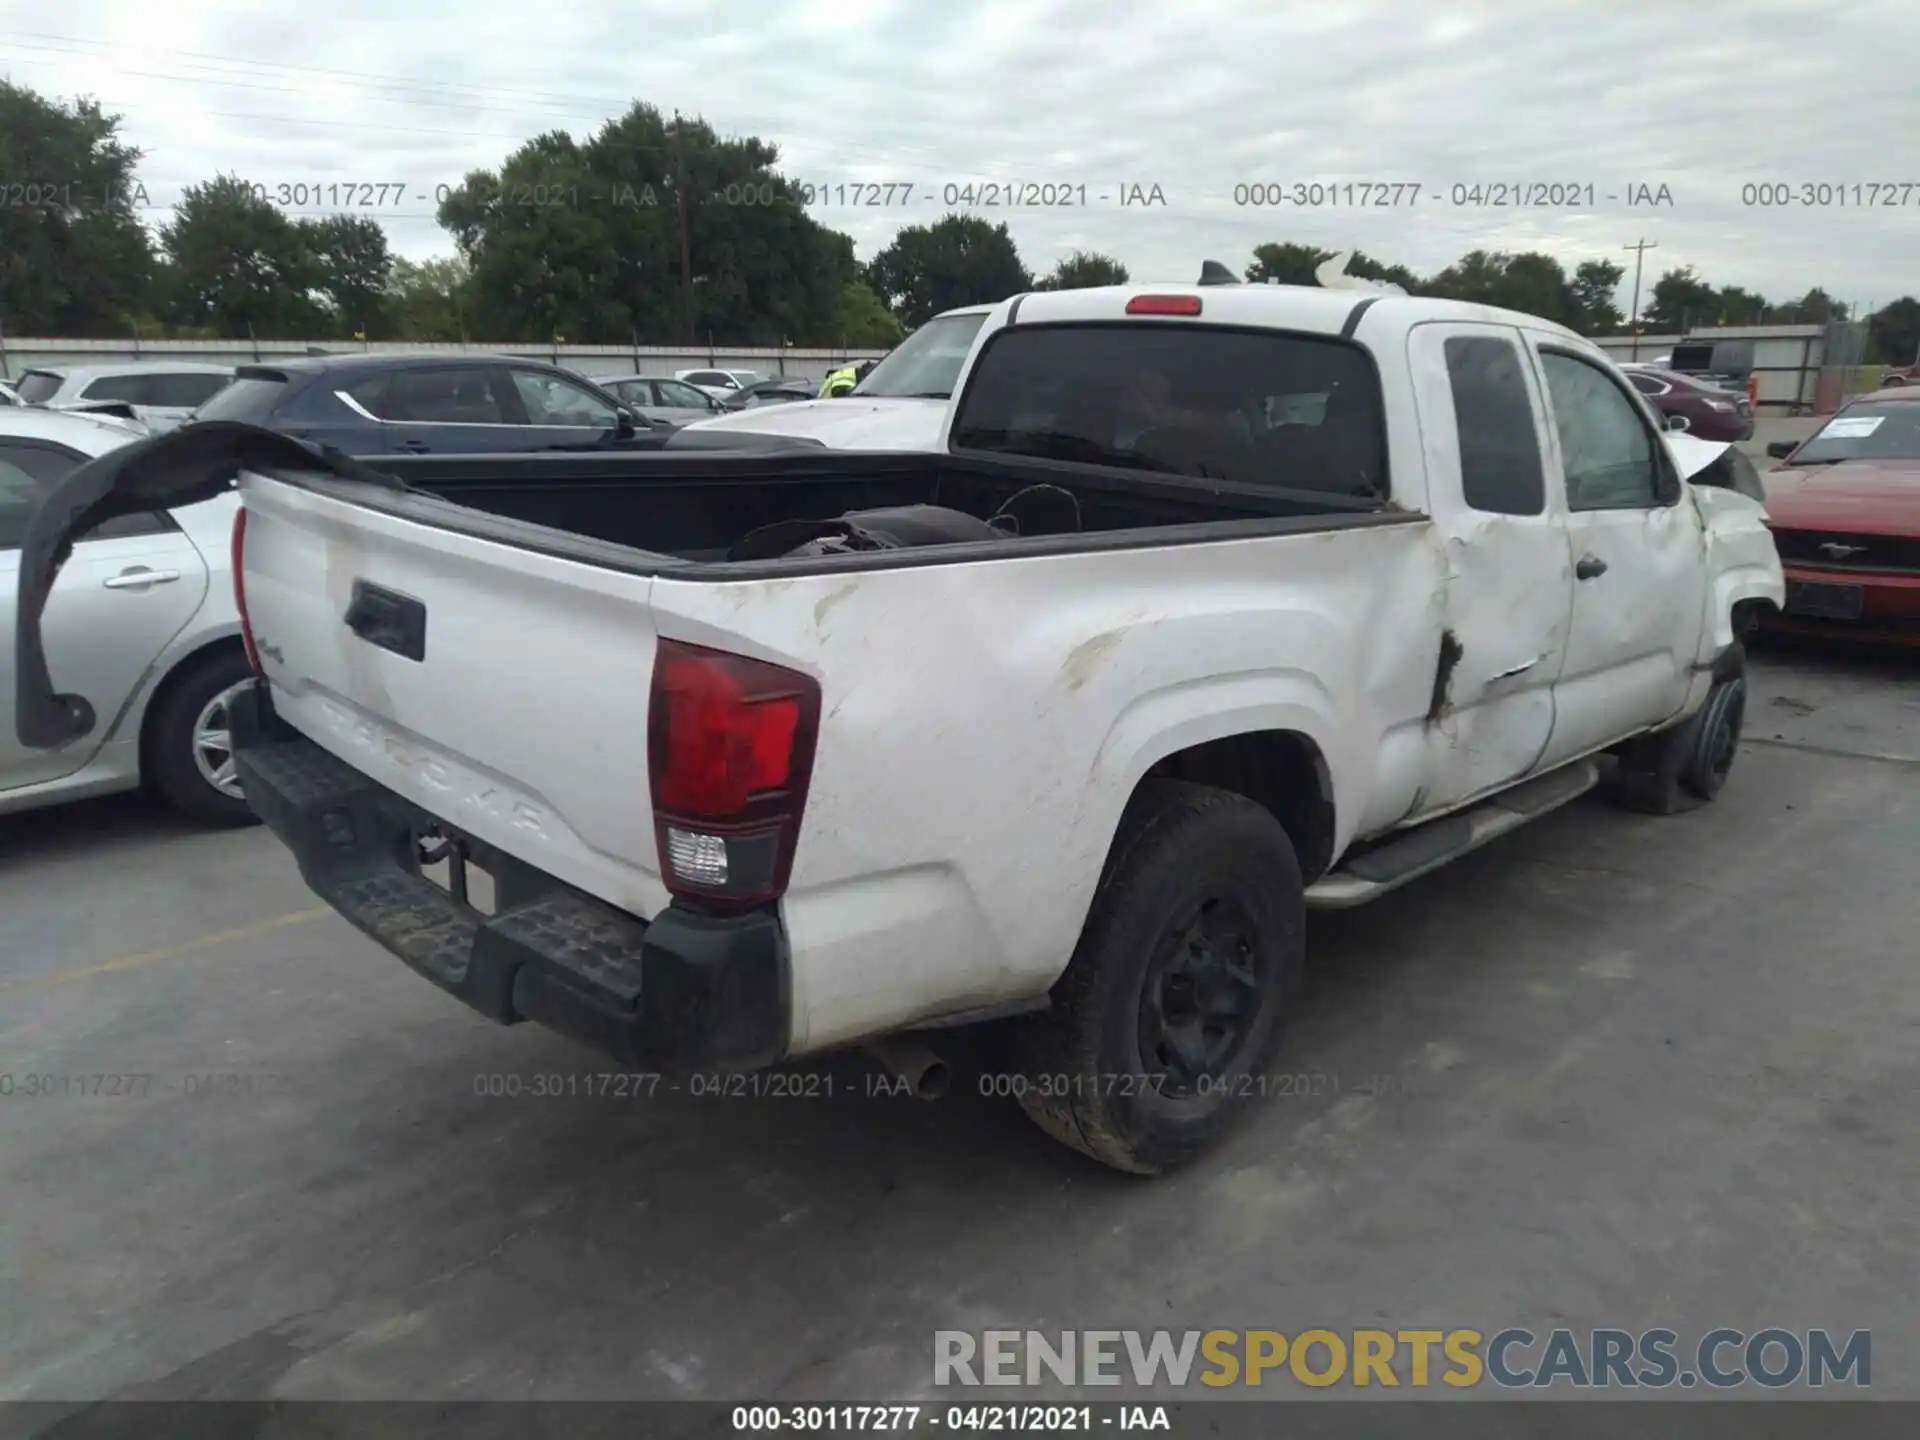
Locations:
1612 1071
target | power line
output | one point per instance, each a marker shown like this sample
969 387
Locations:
897 156
572 112
237 62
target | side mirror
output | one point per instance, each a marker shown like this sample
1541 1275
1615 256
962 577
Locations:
1679 424
624 421
1780 449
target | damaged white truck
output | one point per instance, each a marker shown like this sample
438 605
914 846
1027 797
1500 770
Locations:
1215 603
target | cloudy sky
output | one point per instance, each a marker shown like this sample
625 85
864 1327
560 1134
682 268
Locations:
1219 103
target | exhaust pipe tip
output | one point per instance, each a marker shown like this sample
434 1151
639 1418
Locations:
933 1081
926 1075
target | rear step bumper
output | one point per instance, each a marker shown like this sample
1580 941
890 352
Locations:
677 993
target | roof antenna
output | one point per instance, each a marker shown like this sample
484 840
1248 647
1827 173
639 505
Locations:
1212 272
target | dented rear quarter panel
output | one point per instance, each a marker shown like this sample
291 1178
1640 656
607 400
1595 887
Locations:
984 724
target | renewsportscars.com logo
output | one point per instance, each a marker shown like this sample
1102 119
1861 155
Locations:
1513 1358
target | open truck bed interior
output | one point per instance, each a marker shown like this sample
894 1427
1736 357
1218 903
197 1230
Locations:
697 507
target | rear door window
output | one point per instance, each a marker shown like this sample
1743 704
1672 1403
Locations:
31 468
185 389
372 394
1262 408
1500 467
27 472
133 389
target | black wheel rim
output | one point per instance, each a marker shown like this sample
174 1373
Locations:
1201 998
1725 742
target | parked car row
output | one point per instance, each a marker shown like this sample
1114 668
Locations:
161 394
424 403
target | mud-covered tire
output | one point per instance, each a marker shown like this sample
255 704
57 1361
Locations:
172 739
1664 773
1188 856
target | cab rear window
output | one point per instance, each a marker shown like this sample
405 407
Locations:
1263 408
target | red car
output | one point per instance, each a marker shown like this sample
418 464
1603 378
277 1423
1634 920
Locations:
1844 507
1711 413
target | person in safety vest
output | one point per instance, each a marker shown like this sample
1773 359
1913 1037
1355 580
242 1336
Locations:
840 382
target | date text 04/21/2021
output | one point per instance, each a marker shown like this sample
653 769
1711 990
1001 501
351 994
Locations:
1014 1419
1460 195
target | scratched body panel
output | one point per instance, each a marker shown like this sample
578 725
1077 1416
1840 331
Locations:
1051 685
491 730
985 722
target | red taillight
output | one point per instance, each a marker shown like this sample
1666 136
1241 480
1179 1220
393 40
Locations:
730 750
1164 305
240 586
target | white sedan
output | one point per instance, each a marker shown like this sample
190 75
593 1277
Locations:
141 624
720 383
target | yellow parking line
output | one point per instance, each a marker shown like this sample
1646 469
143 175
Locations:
172 952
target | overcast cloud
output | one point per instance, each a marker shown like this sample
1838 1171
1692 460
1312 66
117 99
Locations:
1196 97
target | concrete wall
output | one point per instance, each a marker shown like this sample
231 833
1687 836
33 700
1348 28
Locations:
24 354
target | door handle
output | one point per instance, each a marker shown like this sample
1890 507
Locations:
418 447
138 577
1590 566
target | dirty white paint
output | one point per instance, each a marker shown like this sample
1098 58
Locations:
985 723
526 725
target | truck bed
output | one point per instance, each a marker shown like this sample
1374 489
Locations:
693 507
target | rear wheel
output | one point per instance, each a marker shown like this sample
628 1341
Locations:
189 741
1163 1027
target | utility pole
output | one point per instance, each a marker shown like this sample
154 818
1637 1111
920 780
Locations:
686 246
1633 320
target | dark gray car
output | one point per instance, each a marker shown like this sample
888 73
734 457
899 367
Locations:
433 404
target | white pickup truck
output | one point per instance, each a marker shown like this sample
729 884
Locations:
1215 604
901 405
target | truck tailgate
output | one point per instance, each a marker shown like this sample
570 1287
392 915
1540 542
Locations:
452 670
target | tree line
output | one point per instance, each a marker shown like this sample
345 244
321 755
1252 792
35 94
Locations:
653 230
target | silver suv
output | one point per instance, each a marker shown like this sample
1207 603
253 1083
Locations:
161 392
